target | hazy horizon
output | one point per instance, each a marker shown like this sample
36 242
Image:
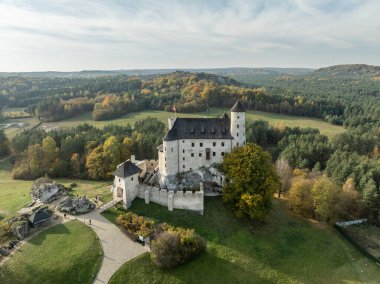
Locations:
72 36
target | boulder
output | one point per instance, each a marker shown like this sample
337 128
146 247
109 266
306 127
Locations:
77 205
45 190
4 252
20 229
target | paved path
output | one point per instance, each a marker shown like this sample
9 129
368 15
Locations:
117 247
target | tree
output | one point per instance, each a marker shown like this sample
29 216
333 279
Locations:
300 195
284 171
126 149
349 204
49 146
97 164
36 160
4 144
324 194
251 181
111 148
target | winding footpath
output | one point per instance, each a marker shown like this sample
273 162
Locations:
117 247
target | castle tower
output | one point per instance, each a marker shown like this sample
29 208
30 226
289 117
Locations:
238 124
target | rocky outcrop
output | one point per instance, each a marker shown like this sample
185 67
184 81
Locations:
191 179
77 205
20 229
45 190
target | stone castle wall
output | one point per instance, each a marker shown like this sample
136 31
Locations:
173 200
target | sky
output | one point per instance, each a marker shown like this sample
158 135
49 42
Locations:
72 35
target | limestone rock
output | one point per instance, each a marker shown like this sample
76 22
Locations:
45 190
191 179
20 229
77 205
4 252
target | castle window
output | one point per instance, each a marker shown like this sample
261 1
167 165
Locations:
237 144
238 116
192 154
222 144
200 144
183 158
183 166
119 180
214 144
131 178
222 154
192 144
237 134
165 165
183 151
237 126
191 169
171 149
183 141
200 154
213 154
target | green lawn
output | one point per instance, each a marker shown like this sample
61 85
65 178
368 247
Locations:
286 249
66 253
15 194
13 130
324 127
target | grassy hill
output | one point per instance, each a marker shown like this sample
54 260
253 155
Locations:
286 249
291 121
66 253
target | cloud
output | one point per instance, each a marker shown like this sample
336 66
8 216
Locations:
74 35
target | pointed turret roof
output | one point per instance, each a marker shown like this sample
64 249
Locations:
238 107
126 169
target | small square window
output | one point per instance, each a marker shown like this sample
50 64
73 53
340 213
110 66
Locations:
214 144
192 154
183 141
131 178
238 116
183 158
237 134
191 169
183 151
222 154
222 144
183 166
192 144
200 144
237 126
213 154
200 154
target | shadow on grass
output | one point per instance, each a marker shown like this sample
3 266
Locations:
59 229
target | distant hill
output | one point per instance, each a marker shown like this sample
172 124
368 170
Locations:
349 70
235 72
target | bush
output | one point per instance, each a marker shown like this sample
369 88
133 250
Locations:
176 246
135 225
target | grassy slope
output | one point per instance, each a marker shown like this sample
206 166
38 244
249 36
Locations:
292 121
287 249
66 253
14 194
28 123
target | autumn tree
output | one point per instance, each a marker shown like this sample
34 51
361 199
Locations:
97 164
349 204
284 171
251 181
324 194
300 195
111 148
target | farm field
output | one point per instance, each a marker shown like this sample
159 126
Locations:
14 194
286 249
272 118
66 253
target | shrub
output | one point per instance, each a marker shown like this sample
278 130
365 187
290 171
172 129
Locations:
135 225
176 246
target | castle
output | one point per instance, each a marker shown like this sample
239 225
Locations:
189 145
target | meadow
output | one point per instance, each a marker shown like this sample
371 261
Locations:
15 194
273 119
65 253
285 249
